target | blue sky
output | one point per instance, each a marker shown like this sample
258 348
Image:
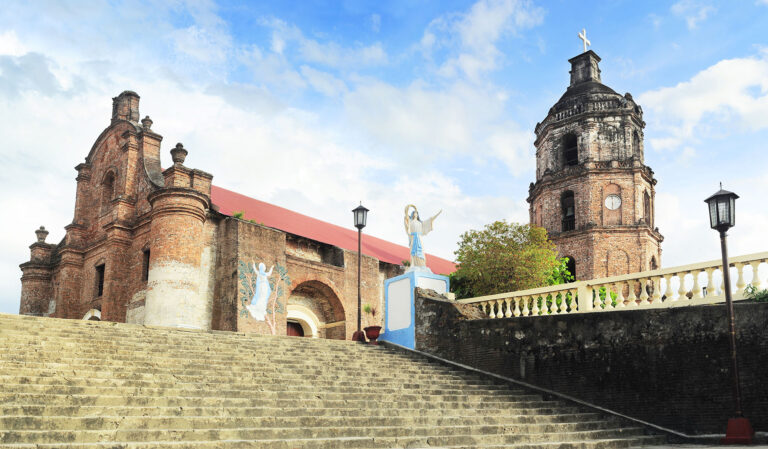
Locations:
316 105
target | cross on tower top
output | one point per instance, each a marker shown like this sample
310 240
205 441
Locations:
583 37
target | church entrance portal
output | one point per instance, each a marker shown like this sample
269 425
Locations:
314 307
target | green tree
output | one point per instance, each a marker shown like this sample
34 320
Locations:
504 257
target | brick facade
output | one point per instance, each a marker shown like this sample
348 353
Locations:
147 245
593 194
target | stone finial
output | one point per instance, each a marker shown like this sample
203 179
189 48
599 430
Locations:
41 234
178 154
146 122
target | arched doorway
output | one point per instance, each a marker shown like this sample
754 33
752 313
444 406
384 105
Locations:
315 307
302 322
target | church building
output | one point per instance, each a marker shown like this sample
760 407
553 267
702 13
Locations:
165 247
593 192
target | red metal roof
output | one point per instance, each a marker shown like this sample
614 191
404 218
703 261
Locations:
312 228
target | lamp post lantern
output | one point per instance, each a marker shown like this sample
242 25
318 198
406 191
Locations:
361 217
722 216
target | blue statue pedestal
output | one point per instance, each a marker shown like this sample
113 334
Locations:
400 311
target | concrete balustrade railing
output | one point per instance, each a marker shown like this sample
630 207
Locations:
687 285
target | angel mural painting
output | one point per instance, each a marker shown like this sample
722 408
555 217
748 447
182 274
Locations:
260 293
415 228
258 305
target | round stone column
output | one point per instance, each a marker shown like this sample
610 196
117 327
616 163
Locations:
173 297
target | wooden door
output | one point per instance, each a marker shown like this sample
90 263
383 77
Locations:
295 329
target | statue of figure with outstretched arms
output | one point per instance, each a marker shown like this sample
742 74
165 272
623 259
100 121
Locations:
415 228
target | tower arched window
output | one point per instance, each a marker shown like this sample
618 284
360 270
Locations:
571 265
107 191
570 149
568 207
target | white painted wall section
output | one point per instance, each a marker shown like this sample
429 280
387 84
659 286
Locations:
399 308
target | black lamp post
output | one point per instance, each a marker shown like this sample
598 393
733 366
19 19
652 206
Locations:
361 216
722 216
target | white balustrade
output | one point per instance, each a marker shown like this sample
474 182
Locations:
703 286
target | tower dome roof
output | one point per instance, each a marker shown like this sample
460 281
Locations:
585 88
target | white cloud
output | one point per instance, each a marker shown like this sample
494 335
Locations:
329 54
424 123
692 11
203 45
474 35
323 82
732 94
10 45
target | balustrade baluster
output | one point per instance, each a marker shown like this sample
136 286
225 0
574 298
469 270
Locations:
740 284
668 292
755 278
656 285
517 307
696 289
535 305
632 296
553 304
644 293
492 313
619 295
597 303
508 313
564 304
682 293
526 310
711 291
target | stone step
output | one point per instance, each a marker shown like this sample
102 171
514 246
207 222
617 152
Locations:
255 393
200 368
194 401
533 414
191 360
351 443
116 422
98 341
165 381
34 375
441 435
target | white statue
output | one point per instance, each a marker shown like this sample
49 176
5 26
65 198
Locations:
415 228
258 305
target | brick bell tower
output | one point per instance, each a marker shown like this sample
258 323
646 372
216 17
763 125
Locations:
593 192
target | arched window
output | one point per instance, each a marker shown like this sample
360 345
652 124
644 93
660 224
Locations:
571 265
568 207
107 191
653 264
570 149
647 208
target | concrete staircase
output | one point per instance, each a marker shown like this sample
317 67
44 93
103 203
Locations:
88 385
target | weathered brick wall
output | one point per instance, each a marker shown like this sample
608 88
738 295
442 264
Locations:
669 367
323 279
225 297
